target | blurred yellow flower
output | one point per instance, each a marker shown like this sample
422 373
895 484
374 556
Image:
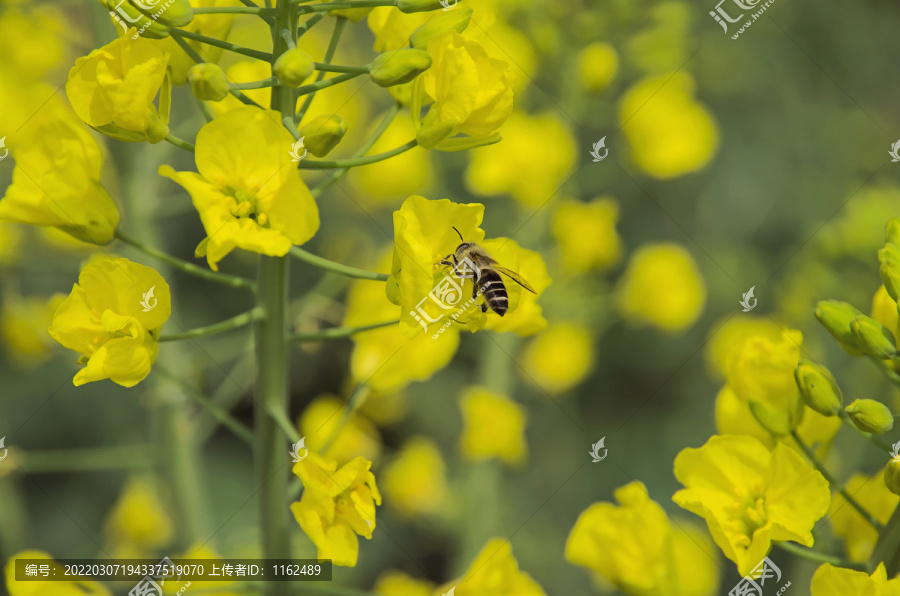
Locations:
414 481
103 320
586 234
662 287
32 42
383 182
323 416
858 535
598 64
634 546
510 165
56 182
23 326
112 89
495 571
397 583
761 372
138 523
750 497
670 133
255 200
472 93
839 581
559 358
200 551
493 426
210 25
48 588
392 28
10 243
336 505
727 333
884 310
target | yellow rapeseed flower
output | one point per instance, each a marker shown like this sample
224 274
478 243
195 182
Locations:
635 547
598 64
670 133
414 480
323 416
23 327
884 310
112 89
727 333
56 183
662 287
494 571
255 200
586 234
392 28
749 496
106 319
139 522
559 358
533 158
48 588
858 535
33 41
839 581
200 551
493 426
397 583
337 504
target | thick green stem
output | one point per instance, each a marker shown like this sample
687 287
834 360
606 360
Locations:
179 142
346 270
337 332
356 161
212 41
313 87
234 322
263 84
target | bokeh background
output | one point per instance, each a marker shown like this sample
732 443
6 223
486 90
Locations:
760 162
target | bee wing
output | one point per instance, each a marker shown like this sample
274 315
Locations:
516 278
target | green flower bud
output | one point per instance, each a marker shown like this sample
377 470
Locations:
451 20
818 388
208 82
836 316
322 134
430 135
873 338
171 13
777 420
408 6
399 66
889 256
293 67
892 231
870 416
892 475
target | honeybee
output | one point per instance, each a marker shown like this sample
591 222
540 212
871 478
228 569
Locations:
487 279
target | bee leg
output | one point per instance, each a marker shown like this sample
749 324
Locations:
445 260
484 307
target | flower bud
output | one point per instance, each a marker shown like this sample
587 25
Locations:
889 256
892 475
873 338
892 231
409 6
322 134
836 316
208 82
870 416
171 13
399 66
293 67
818 388
127 14
777 420
430 135
451 20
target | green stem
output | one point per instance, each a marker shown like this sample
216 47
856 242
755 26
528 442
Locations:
887 549
189 268
212 41
337 332
121 457
313 87
817 557
310 23
357 161
835 483
365 69
345 4
288 39
252 4
370 142
263 84
180 142
339 24
346 270
265 12
234 322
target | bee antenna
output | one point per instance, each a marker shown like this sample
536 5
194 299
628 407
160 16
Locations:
457 233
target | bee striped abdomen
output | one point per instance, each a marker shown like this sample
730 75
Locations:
494 291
